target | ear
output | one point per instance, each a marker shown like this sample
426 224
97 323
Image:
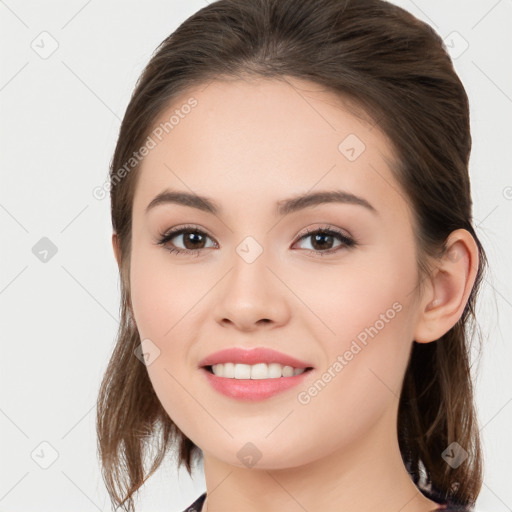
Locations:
117 248
449 287
116 245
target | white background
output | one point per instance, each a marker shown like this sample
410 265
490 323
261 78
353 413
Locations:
59 120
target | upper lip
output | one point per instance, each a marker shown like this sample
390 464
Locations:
252 356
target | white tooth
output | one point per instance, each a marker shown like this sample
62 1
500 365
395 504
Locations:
288 371
259 371
274 370
218 369
229 370
242 371
255 371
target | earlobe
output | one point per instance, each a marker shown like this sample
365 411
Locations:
451 284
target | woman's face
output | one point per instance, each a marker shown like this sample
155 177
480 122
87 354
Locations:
263 276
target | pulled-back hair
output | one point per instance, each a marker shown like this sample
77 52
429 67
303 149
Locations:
391 68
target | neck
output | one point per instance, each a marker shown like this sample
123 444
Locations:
365 476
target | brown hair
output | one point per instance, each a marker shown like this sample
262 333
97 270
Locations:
394 69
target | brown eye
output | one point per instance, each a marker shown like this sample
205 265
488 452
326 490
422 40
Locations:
322 241
193 240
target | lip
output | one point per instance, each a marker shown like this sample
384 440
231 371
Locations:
251 390
253 356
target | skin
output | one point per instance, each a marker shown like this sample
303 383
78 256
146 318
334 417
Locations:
248 144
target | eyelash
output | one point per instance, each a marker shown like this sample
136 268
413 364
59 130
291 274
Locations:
347 242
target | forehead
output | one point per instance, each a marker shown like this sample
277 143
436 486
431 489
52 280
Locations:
265 139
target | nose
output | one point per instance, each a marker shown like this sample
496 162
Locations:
252 297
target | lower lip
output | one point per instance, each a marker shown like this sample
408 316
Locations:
253 389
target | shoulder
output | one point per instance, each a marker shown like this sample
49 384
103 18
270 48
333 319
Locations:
197 505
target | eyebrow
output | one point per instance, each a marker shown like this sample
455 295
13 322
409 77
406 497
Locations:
284 207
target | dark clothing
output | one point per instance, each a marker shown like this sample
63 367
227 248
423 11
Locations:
196 506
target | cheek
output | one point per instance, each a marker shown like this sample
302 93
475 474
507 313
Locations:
163 294
365 311
365 358
163 300
350 298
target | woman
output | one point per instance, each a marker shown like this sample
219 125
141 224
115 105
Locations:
292 222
